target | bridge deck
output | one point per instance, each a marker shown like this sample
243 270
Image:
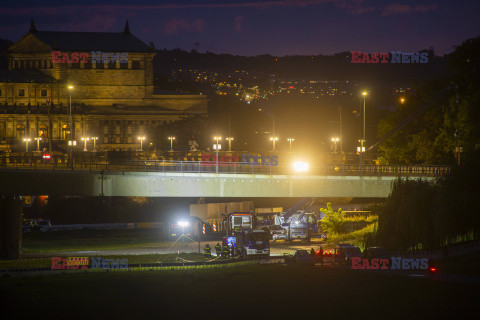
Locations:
87 182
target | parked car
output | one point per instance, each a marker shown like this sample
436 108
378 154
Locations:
301 256
32 225
345 252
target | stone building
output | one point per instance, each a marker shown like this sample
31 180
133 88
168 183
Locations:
108 91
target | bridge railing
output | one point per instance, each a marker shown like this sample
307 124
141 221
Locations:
232 167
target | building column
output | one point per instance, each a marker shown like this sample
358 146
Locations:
11 212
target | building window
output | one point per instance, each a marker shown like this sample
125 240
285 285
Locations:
135 64
112 65
129 139
99 65
43 131
43 93
0 92
117 130
21 92
75 65
105 129
117 139
123 65
105 139
87 65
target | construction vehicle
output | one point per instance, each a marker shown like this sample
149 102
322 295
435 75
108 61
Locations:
248 242
299 224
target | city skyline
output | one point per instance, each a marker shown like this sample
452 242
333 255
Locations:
260 27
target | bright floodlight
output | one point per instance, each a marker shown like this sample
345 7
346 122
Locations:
300 166
183 223
364 93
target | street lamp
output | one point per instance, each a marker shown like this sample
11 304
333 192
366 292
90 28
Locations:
217 147
334 141
27 140
273 139
402 100
85 143
94 139
141 142
70 124
362 141
171 143
290 140
38 142
229 139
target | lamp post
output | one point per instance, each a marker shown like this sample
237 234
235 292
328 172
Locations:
26 140
217 146
141 142
229 139
85 143
334 146
94 139
171 143
290 140
362 141
273 139
38 142
70 124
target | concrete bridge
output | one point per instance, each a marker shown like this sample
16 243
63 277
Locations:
196 179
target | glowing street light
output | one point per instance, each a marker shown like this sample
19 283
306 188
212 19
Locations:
171 143
362 141
273 139
85 143
38 142
26 140
70 122
290 140
141 142
217 147
94 139
229 139
334 141
402 100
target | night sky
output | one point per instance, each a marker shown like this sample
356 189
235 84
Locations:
246 27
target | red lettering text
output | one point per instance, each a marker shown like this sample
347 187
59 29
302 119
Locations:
356 56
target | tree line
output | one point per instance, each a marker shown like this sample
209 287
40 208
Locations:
428 215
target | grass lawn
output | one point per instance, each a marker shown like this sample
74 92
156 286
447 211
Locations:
80 240
246 292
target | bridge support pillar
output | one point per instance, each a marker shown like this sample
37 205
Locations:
11 212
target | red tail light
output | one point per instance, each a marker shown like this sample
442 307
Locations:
432 269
